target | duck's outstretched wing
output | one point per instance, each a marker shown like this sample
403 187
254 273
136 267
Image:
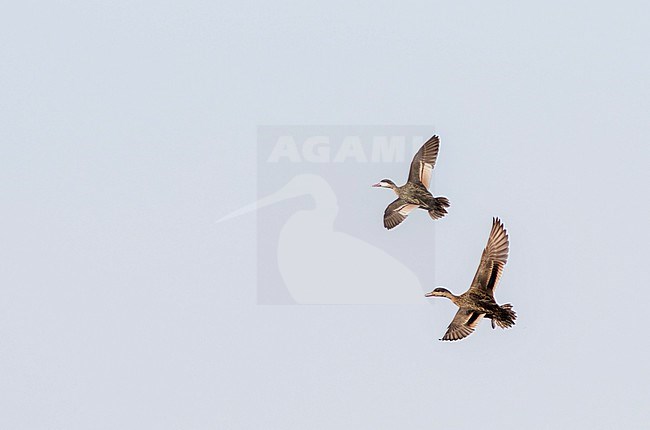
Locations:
494 257
396 212
463 324
424 161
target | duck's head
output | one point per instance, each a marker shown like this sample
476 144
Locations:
439 292
385 183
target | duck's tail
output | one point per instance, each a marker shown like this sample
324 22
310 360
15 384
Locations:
506 316
438 208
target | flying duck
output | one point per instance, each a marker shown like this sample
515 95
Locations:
415 194
478 301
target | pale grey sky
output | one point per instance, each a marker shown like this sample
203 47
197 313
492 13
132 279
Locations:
127 129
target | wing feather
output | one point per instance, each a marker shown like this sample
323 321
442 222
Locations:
396 212
493 259
424 161
463 324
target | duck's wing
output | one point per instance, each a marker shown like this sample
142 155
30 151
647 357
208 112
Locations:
424 161
463 324
396 212
494 257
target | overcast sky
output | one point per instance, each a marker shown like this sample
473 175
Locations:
127 129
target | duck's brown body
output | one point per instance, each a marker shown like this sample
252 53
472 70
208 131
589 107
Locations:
484 304
478 301
415 194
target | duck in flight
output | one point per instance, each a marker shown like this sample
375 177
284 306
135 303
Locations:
415 194
478 302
